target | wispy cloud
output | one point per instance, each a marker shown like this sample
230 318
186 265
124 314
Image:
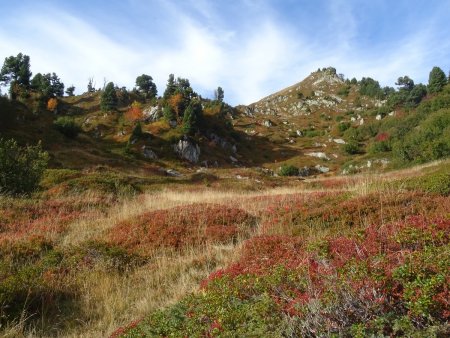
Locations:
250 48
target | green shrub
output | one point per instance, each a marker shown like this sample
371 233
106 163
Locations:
344 91
380 147
67 126
429 141
437 183
21 168
136 134
288 170
351 148
52 177
312 133
343 126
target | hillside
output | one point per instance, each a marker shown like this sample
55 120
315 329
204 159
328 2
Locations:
320 210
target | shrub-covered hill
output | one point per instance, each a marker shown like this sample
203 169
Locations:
348 126
324 124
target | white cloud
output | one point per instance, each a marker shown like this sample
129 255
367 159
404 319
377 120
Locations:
250 56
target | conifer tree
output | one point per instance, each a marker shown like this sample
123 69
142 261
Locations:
436 80
109 98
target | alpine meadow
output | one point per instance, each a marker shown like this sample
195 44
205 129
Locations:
155 181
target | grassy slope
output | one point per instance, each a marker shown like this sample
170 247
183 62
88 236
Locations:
70 267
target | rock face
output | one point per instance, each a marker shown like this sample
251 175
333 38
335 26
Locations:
149 153
188 150
151 114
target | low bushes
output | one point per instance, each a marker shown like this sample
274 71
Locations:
390 280
181 227
67 126
288 170
21 168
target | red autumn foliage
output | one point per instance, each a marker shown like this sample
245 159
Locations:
48 218
180 227
379 252
382 137
135 112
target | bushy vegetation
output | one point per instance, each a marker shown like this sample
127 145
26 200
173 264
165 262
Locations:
181 227
429 141
388 279
436 183
21 168
67 126
288 170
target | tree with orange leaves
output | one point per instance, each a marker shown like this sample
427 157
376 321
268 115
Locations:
135 112
176 104
52 104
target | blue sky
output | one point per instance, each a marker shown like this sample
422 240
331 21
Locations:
250 48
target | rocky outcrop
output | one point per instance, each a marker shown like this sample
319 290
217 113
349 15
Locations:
148 153
188 150
151 114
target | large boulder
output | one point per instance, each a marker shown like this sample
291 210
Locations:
188 150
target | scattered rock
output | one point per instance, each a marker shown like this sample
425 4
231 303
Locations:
361 122
339 141
320 155
187 150
173 172
233 159
148 153
322 169
224 144
392 113
268 123
378 117
304 172
248 111
299 133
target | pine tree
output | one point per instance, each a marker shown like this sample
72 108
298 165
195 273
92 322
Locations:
16 72
436 80
70 90
146 86
219 94
192 118
171 87
109 98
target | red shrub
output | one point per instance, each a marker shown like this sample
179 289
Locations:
382 137
181 226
